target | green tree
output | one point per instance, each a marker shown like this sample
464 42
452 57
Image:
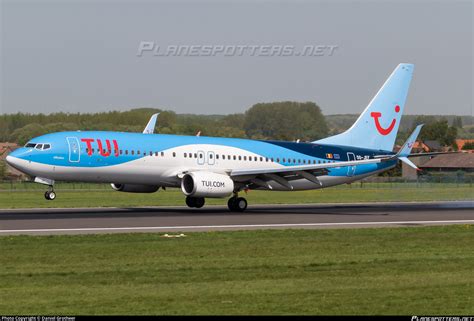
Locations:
3 169
437 130
166 119
457 122
468 146
285 121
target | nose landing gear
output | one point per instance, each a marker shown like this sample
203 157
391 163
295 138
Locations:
50 195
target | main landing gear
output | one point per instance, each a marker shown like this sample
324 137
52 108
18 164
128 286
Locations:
50 195
237 204
196 202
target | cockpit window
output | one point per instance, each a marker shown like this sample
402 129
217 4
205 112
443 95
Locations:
38 146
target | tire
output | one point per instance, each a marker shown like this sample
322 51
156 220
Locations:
240 204
52 196
46 195
231 204
199 202
191 201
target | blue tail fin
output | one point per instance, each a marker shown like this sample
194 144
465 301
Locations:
377 126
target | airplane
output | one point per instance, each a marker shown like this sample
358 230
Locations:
215 167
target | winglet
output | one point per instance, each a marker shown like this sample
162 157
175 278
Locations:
150 127
406 148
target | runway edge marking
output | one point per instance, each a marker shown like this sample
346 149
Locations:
229 226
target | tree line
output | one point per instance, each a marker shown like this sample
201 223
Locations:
277 120
262 121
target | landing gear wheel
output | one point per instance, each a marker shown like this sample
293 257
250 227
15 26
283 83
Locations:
50 195
199 202
240 204
190 201
230 203
237 204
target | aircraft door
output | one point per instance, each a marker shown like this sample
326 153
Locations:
211 158
351 169
74 149
201 160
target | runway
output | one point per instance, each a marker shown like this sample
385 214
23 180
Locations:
211 218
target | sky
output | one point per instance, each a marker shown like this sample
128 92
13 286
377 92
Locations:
83 56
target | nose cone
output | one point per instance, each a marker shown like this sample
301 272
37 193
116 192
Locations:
14 158
11 160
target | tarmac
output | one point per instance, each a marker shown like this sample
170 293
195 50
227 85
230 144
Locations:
218 218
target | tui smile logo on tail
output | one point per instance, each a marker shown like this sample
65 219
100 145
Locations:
388 130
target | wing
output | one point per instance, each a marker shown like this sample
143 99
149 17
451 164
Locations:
283 175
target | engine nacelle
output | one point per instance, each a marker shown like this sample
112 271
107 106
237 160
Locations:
206 184
134 188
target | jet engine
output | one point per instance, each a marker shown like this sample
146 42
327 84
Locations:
134 188
206 184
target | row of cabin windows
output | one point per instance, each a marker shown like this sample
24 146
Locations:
223 157
254 158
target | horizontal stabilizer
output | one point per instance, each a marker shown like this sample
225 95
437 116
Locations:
408 162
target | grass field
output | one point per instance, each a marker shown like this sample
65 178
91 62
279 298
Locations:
100 197
415 270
